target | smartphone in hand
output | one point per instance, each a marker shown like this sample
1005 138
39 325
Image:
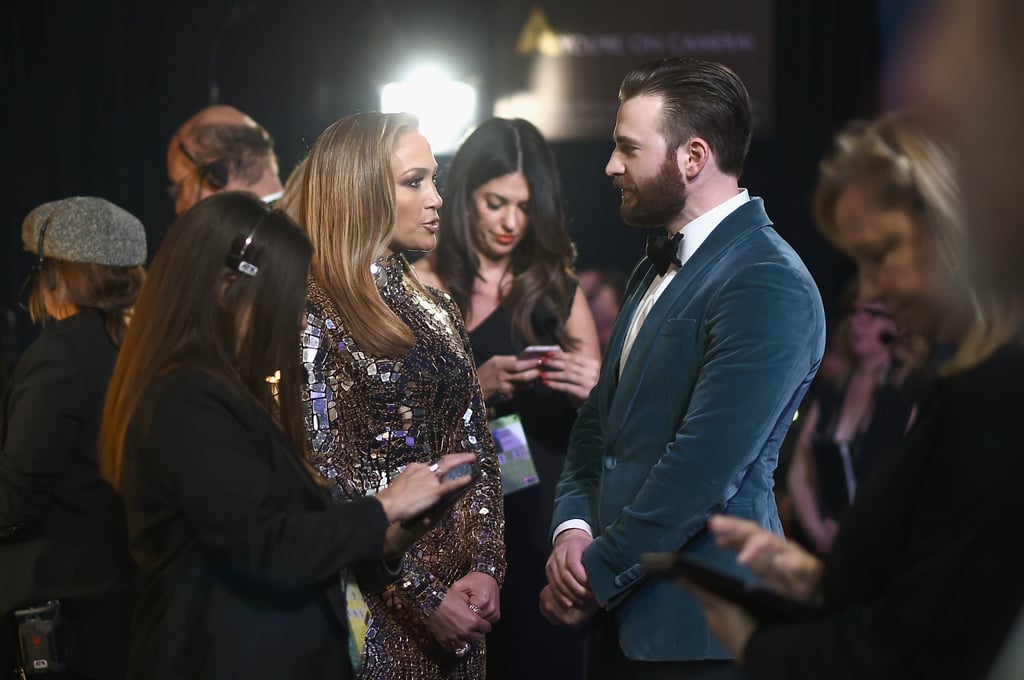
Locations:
765 605
452 497
538 351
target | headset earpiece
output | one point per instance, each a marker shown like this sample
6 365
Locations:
215 173
236 258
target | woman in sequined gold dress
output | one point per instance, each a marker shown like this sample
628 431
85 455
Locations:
392 382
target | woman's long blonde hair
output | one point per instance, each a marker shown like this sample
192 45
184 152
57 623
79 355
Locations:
292 194
910 170
346 206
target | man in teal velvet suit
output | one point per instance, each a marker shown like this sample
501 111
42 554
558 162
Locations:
720 335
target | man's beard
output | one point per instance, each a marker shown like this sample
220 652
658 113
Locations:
656 201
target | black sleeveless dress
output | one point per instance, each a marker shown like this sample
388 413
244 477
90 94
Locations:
841 467
523 642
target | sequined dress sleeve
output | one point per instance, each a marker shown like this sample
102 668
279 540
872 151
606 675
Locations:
487 533
367 418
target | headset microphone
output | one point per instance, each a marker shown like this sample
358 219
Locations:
214 173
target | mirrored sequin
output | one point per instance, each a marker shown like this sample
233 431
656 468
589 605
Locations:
383 414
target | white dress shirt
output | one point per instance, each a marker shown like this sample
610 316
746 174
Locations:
694 234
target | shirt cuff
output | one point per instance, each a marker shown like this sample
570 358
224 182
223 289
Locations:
572 524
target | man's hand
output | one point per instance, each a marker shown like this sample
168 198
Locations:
566 574
553 610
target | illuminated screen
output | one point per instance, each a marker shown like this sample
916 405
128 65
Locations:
560 62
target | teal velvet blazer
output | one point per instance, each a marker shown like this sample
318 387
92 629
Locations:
693 426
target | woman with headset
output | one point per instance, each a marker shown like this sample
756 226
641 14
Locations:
242 549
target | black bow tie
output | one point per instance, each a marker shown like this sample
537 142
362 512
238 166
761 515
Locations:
663 251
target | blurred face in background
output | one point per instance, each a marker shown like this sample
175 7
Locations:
966 74
872 329
501 215
416 198
898 263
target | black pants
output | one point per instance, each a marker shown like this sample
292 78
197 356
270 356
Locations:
523 644
605 661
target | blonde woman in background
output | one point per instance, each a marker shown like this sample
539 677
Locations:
924 575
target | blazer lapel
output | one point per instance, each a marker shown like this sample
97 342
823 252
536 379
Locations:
609 377
694 273
613 352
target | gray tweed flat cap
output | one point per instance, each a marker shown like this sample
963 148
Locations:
86 229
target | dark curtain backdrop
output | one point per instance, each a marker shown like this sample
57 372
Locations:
94 90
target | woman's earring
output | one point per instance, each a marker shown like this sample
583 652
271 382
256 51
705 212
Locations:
379 275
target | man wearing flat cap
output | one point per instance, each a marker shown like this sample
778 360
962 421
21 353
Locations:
64 557
221 149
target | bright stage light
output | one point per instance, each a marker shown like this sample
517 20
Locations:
446 108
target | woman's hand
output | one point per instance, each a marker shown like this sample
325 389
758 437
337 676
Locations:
505 373
454 624
572 373
483 593
826 535
398 538
419 487
731 624
782 565
821 531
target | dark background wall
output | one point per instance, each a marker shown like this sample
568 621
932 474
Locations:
93 91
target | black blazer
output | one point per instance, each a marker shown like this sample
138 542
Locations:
239 545
925 577
62 528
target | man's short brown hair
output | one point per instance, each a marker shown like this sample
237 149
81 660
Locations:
702 99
